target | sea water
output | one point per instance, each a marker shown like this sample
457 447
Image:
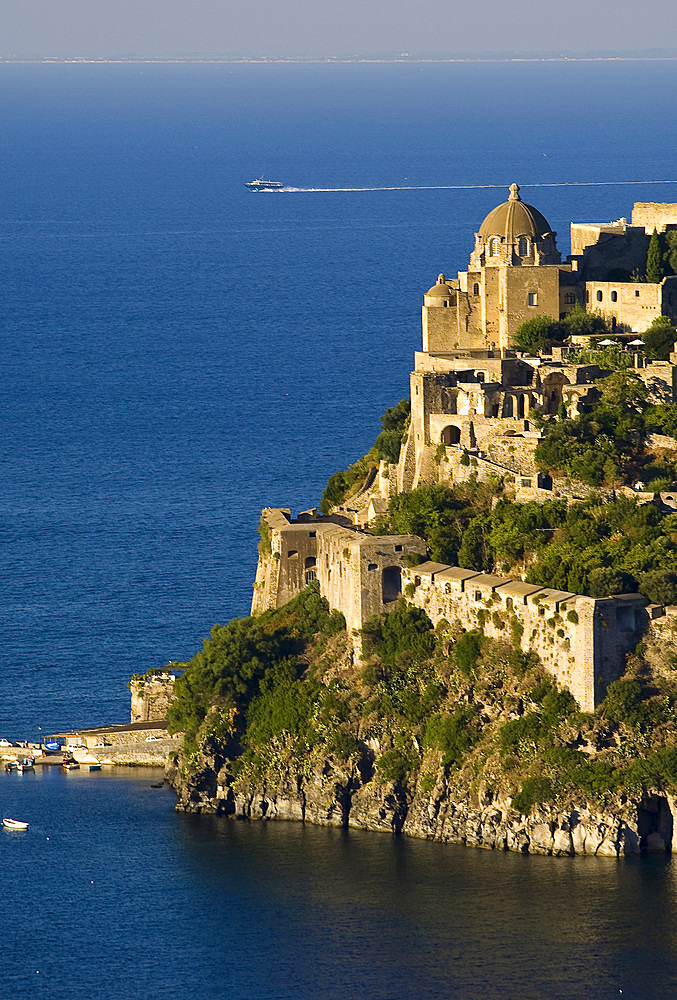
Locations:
177 353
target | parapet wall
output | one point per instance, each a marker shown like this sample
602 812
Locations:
582 641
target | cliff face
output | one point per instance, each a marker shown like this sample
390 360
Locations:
351 796
440 734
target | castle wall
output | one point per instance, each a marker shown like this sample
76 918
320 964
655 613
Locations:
287 556
361 575
654 215
604 248
582 641
516 285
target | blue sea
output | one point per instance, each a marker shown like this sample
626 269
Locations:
177 353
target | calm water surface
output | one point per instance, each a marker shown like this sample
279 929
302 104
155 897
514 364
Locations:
110 892
177 353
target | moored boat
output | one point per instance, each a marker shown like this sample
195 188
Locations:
71 765
14 824
27 764
95 767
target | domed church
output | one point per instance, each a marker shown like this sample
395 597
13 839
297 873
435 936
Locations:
473 398
515 272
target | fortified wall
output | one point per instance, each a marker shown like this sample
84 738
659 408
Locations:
360 575
582 641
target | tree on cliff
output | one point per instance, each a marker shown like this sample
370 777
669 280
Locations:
654 260
394 422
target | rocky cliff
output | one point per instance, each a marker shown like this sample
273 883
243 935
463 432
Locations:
335 795
437 733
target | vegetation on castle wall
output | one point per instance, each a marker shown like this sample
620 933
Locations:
605 444
395 423
659 338
655 271
598 547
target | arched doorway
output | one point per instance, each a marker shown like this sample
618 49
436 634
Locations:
450 435
391 583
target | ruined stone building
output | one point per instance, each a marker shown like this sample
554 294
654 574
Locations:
582 641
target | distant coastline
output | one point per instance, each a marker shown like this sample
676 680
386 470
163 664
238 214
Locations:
326 60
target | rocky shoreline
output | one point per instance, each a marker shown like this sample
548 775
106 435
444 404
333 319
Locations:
332 796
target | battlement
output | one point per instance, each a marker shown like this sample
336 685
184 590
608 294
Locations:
582 641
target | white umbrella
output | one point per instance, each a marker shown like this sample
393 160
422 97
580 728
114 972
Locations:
636 343
607 343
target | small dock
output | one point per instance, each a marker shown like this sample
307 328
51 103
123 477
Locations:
135 744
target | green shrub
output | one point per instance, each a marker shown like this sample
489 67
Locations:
534 791
453 734
466 650
395 766
519 736
406 629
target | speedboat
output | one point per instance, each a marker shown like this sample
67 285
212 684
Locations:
260 184
14 824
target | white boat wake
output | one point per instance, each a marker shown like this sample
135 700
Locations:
461 187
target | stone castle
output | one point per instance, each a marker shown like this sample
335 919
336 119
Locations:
473 399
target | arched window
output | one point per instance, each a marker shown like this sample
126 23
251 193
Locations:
600 295
614 296
476 289
522 246
494 244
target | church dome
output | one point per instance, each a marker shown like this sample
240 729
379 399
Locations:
514 234
514 218
440 290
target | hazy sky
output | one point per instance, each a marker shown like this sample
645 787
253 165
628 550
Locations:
331 27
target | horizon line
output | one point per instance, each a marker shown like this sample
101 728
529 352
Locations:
404 59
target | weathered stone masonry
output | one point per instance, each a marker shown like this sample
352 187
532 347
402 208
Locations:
582 641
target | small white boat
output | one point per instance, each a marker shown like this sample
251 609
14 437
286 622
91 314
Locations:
71 766
14 824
